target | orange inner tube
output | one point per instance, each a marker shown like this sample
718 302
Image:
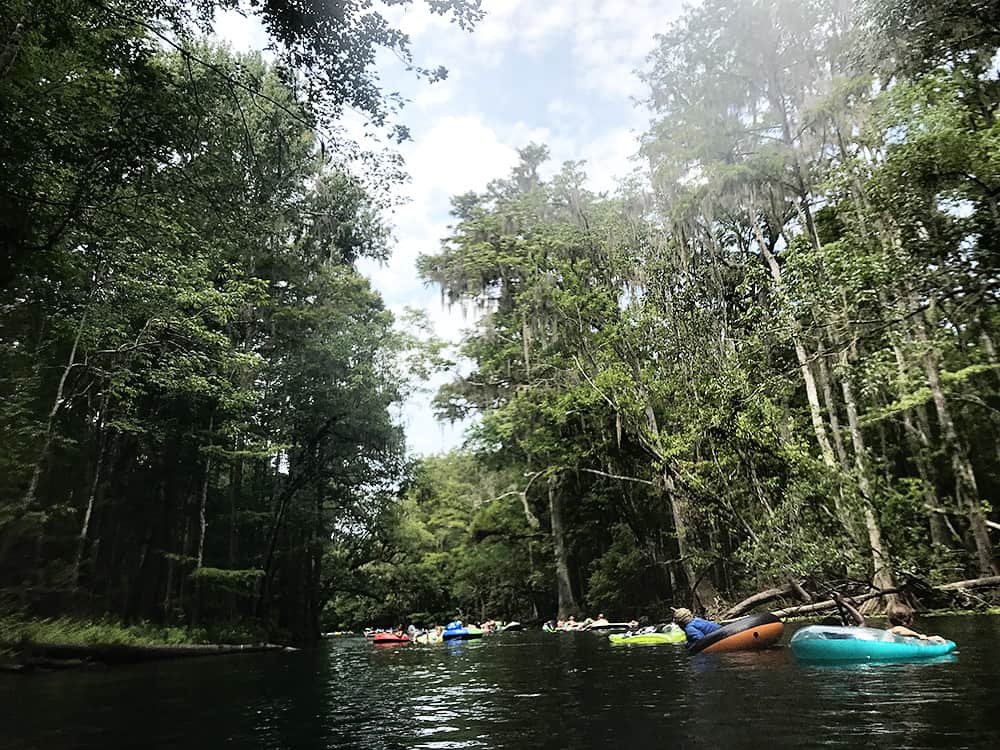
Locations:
760 637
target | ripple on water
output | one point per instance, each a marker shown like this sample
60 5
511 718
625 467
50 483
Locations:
518 690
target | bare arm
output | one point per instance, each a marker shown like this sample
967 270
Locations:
907 633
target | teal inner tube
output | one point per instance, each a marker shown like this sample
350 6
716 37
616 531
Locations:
839 644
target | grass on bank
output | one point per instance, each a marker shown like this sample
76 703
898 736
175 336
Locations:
72 631
950 612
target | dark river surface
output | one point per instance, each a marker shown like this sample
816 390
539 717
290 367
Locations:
517 690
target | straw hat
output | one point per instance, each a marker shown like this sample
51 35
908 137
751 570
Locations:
683 616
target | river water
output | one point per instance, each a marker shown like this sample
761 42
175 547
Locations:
516 690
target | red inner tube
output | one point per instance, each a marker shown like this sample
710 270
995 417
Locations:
390 638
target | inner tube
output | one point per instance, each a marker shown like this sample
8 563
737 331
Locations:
608 626
672 634
749 633
462 634
390 638
428 638
512 626
836 643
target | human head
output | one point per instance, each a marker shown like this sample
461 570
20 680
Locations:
683 616
899 614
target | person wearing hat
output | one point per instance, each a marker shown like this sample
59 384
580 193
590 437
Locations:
694 627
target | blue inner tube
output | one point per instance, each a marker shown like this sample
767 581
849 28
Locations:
736 626
836 643
462 634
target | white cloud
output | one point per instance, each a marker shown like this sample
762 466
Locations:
241 32
609 158
608 39
456 149
424 433
458 153
435 95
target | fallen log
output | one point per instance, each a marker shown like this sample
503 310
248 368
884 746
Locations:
800 592
792 588
944 512
975 583
829 604
826 604
129 654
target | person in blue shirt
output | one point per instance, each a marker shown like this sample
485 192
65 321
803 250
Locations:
694 627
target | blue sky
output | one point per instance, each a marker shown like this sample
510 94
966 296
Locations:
560 72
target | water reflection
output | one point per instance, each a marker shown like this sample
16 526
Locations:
516 690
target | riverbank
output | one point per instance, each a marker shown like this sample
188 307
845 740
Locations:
62 643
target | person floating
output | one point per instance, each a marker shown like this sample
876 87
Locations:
695 628
901 618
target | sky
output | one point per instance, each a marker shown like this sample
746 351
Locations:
560 72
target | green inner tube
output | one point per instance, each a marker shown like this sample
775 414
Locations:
673 634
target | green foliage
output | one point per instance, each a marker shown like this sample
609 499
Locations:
200 384
66 630
240 582
619 579
457 545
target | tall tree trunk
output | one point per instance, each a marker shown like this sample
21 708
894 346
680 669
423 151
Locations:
235 490
202 530
844 514
92 495
966 487
171 562
701 586
29 496
831 409
526 345
567 602
988 346
812 395
919 445
883 577
203 511
8 53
